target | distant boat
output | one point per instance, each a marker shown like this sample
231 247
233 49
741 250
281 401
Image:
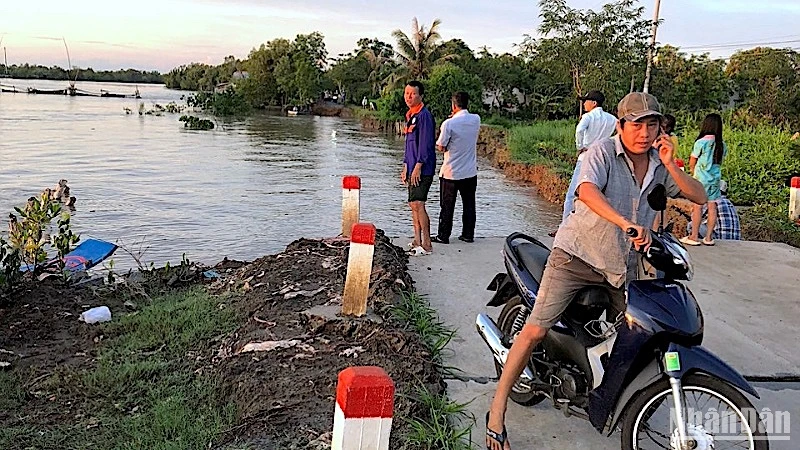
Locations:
47 91
72 92
295 111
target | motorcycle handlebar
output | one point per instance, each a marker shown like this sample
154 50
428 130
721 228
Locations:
632 232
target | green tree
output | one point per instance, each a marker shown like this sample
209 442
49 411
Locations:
348 75
261 87
602 50
767 81
376 46
299 73
688 82
380 57
417 51
445 80
457 52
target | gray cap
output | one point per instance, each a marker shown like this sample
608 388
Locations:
637 105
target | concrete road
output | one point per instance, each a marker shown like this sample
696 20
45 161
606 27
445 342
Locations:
748 292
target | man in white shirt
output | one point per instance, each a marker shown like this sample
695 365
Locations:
458 141
595 125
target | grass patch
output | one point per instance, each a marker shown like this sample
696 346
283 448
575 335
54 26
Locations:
143 391
415 311
760 159
550 144
443 424
11 393
769 223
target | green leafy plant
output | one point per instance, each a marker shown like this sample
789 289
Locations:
29 240
196 123
10 262
63 241
29 233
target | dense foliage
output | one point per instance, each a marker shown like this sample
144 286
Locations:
574 51
29 72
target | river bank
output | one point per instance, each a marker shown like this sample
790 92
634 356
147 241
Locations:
173 365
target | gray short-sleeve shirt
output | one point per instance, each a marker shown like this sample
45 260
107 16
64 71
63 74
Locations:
592 238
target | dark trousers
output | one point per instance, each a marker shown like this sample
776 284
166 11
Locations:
447 199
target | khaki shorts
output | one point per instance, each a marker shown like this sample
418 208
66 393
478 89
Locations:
565 275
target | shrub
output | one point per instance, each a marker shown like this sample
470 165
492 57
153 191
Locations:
760 159
392 106
196 123
29 240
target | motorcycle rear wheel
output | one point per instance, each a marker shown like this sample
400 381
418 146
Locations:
636 426
505 322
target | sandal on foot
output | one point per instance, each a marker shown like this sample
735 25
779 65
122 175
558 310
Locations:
709 243
689 241
500 438
419 251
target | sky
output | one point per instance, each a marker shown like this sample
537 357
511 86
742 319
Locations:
163 34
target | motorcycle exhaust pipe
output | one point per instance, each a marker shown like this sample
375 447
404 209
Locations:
493 338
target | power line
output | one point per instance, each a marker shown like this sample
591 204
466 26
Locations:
771 39
776 50
740 44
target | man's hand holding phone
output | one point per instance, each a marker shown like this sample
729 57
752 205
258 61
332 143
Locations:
665 148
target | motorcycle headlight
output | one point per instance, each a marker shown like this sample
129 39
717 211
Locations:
681 257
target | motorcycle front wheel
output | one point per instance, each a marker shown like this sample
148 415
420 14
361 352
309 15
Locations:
718 416
520 394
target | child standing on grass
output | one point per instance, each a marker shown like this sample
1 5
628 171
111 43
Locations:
705 164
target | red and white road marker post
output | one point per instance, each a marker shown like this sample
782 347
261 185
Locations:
364 405
351 198
359 269
794 199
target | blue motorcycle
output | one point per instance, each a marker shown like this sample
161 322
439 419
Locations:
644 372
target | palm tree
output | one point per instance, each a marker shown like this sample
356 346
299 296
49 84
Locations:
416 52
377 69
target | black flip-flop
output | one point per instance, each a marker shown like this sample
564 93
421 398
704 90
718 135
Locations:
500 438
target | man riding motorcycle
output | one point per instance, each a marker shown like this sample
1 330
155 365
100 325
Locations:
591 247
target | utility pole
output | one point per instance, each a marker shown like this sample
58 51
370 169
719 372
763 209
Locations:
652 48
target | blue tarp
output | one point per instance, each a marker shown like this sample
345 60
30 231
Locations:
85 256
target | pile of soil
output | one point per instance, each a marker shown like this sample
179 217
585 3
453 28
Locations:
285 396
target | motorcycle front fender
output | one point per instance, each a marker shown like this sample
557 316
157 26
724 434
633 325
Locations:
503 287
696 359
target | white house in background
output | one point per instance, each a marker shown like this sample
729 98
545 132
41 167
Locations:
237 76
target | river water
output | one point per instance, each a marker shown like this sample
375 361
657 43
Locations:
243 190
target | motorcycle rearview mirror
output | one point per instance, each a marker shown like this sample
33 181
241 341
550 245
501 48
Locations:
657 199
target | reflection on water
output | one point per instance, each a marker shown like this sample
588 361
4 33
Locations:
246 189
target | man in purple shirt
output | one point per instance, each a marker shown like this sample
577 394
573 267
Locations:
419 165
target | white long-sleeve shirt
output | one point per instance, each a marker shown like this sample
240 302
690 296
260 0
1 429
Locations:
594 125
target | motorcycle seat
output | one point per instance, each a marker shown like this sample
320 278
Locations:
533 257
